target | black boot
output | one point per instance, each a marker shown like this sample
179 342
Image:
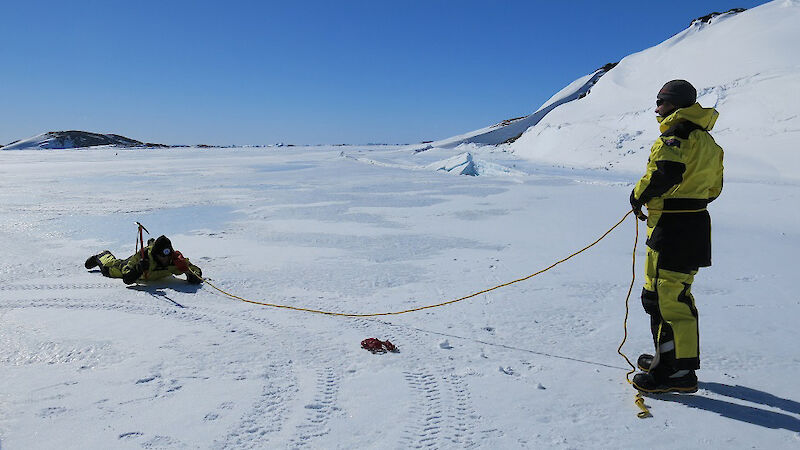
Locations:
644 362
94 260
664 379
91 262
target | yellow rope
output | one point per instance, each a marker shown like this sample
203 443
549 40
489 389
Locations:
639 400
331 313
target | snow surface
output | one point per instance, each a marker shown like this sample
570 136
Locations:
90 363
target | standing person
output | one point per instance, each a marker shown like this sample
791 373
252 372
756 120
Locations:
684 174
156 261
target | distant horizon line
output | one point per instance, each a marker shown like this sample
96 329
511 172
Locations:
200 145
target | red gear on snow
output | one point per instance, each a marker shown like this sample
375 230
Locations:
375 345
389 346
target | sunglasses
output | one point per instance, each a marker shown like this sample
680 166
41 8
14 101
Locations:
659 102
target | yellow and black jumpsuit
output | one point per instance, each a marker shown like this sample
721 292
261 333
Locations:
684 174
129 269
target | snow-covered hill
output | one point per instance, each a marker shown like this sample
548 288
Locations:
744 64
74 139
513 128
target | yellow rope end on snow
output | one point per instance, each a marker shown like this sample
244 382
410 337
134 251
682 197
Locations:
639 401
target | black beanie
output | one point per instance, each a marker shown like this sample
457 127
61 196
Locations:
162 246
680 93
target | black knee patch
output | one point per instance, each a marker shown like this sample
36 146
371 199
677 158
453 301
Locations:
686 298
650 303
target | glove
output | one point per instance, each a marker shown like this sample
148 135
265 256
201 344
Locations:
192 279
637 208
143 265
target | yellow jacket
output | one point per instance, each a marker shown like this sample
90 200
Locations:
178 264
684 171
684 174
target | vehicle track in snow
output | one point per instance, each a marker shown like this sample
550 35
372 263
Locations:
56 287
316 396
318 412
263 419
292 411
440 414
263 423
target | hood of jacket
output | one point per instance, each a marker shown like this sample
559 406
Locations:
705 117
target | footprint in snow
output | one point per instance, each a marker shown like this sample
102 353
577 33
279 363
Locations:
507 370
131 435
53 411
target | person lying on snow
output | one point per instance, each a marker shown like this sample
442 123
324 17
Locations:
160 260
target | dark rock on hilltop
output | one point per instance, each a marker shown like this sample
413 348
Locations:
77 139
707 18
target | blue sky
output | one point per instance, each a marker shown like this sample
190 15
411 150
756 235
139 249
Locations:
261 72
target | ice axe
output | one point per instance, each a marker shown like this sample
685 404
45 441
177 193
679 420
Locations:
141 238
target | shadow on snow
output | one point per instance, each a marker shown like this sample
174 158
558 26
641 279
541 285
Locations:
743 413
158 288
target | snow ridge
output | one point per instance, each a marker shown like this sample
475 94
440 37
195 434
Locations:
509 130
744 64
